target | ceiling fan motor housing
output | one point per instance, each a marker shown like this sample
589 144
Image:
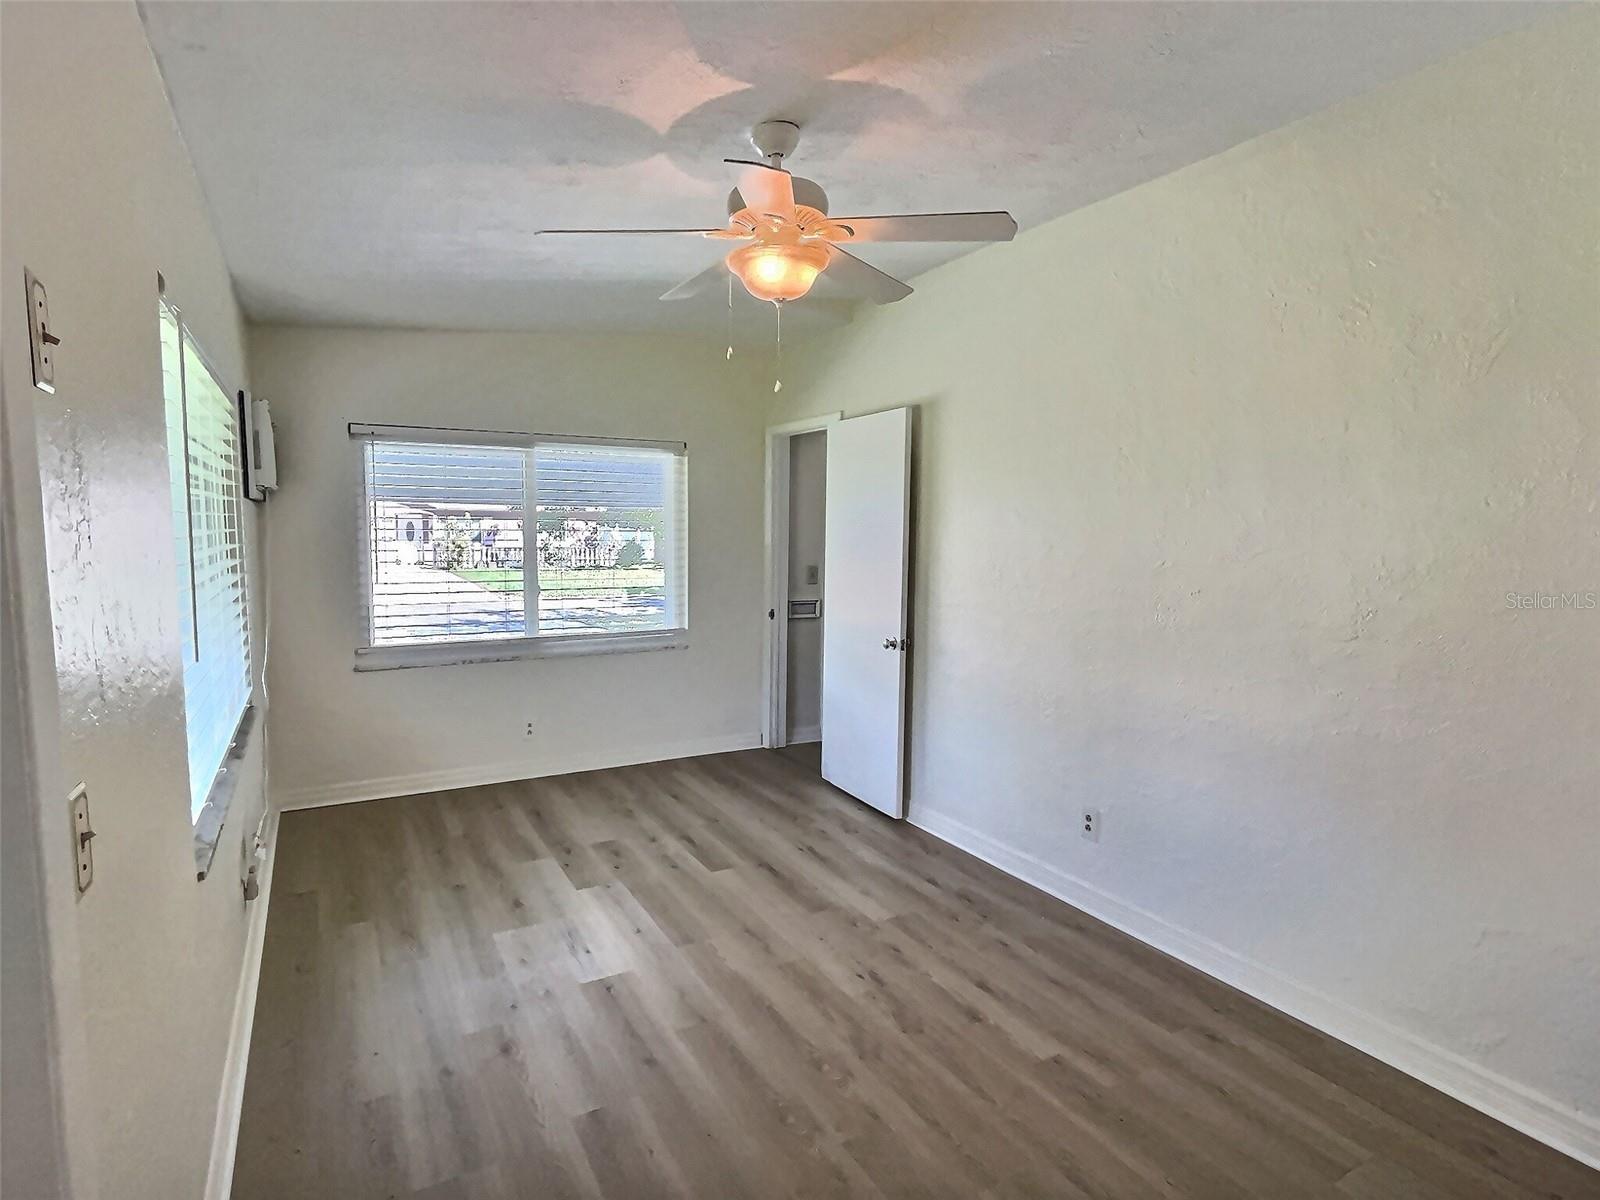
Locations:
807 192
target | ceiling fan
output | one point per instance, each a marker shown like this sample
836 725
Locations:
787 239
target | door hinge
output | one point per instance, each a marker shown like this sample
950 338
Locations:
82 836
41 341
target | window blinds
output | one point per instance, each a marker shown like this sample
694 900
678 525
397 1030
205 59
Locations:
204 470
490 537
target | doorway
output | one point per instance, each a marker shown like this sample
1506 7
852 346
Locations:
838 555
808 514
797 456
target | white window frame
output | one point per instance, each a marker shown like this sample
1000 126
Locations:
369 657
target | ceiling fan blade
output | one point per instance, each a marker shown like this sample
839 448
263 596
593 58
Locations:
930 227
764 189
697 284
862 279
635 232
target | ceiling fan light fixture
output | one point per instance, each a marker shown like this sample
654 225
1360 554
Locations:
778 273
790 239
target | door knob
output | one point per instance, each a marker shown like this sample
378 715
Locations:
891 643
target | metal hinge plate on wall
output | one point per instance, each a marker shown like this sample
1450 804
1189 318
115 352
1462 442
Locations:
41 341
82 836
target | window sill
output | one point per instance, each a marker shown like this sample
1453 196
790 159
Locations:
449 654
208 825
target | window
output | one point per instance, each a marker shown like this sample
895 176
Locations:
520 545
203 464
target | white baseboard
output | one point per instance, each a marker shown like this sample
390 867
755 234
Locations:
479 774
805 733
1505 1100
230 1104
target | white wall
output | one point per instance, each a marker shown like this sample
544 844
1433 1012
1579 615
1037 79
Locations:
1223 484
808 482
98 195
337 733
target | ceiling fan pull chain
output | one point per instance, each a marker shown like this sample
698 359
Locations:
777 361
730 318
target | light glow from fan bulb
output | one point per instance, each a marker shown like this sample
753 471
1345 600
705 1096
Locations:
778 272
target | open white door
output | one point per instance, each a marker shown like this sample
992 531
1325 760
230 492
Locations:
865 579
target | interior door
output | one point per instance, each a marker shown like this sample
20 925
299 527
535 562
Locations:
866 555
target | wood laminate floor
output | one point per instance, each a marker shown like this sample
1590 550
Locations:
721 978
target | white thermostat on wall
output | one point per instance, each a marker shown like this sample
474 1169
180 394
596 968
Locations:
260 455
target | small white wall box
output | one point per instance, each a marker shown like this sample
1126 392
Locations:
260 455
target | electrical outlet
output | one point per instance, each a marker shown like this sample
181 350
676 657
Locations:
1090 826
530 730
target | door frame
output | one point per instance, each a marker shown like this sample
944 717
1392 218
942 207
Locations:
775 658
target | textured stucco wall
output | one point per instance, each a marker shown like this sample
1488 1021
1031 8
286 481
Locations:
336 732
98 196
1223 485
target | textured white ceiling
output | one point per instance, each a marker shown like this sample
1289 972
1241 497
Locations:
386 163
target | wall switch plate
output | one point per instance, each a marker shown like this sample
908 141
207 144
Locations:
82 836
811 575
1090 825
40 340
